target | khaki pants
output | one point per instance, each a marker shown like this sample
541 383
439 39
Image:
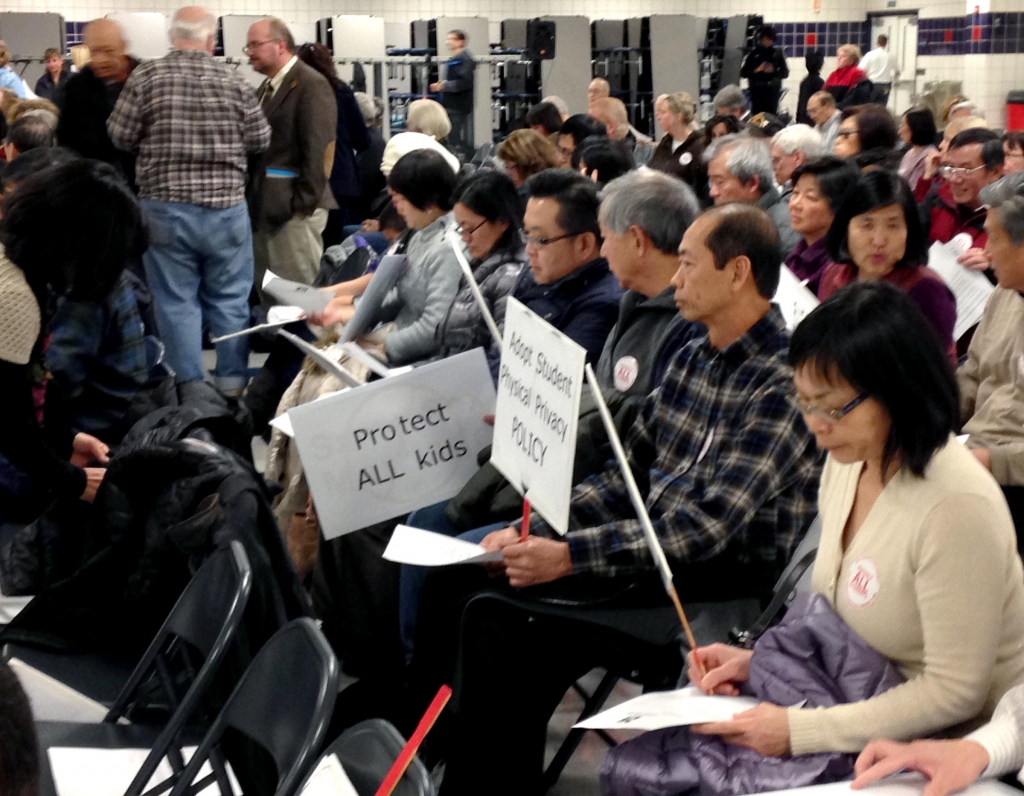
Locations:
291 251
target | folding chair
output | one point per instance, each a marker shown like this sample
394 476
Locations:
283 704
367 750
175 671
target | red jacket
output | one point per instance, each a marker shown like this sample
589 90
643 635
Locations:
943 218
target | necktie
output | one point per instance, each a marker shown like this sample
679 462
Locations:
267 95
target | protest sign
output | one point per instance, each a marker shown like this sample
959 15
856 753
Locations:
295 294
395 445
364 318
794 298
537 410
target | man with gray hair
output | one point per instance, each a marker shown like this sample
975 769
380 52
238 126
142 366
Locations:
740 170
991 401
729 101
792 147
643 217
26 133
193 123
821 107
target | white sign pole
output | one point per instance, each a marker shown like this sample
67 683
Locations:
641 509
456 243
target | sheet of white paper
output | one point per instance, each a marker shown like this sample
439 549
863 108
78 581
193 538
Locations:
361 355
322 357
109 772
657 710
10 607
900 785
390 268
295 294
962 439
277 317
794 298
971 288
329 779
52 700
428 549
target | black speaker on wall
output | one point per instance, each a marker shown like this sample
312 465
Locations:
540 40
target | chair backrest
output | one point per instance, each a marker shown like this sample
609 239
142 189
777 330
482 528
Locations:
367 750
206 617
282 703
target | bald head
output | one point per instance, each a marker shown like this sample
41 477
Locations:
108 50
193 28
270 46
599 88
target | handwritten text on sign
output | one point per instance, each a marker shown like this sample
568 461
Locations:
538 404
392 446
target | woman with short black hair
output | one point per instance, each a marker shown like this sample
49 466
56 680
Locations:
877 235
917 131
867 130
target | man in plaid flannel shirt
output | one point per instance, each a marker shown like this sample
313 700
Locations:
194 122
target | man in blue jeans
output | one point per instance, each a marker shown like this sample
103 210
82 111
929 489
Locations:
193 123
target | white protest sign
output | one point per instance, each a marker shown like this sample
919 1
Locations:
395 445
539 387
794 298
295 294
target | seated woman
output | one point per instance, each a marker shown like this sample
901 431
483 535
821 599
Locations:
525 153
877 235
41 460
867 136
718 126
848 83
679 152
819 188
421 186
917 131
917 553
489 214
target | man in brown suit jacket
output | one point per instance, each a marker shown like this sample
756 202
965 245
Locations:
300 105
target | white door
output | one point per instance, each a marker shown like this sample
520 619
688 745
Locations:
902 32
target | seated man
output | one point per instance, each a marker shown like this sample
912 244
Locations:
25 134
729 474
729 101
577 129
991 402
19 751
821 107
791 148
974 159
740 170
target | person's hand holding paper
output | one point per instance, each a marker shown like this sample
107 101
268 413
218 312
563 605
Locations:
949 765
764 728
975 259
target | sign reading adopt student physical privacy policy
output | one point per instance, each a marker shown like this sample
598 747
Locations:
537 410
392 446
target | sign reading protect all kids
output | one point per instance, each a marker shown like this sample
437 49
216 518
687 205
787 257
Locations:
396 445
535 417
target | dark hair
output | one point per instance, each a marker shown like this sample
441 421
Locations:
96 208
389 218
545 115
32 162
577 199
875 337
835 177
458 34
766 32
875 127
1014 139
29 132
491 195
873 190
425 178
581 127
745 230
732 124
814 61
19 749
319 57
922 127
992 155
609 158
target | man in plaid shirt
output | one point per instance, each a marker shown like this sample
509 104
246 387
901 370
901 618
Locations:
193 123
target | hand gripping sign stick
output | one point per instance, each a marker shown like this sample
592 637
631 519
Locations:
641 512
456 243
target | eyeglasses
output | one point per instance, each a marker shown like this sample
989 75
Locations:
467 232
949 172
830 416
540 243
255 45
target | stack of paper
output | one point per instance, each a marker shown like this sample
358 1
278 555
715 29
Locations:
970 288
661 709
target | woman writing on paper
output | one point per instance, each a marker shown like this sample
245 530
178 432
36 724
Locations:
917 555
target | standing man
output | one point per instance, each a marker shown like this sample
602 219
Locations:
300 105
90 96
457 93
193 122
881 68
765 68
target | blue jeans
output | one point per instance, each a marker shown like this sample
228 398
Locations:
200 269
412 578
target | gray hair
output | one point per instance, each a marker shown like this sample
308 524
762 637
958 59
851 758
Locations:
429 117
661 205
199 30
1006 196
799 138
746 157
367 106
730 97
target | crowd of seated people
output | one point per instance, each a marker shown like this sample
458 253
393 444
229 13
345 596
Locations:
740 427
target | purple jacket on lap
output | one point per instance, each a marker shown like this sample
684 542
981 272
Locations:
812 654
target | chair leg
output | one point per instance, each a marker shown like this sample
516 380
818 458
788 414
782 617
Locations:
575 736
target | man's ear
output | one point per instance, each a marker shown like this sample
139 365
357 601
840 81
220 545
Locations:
755 183
642 242
740 269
